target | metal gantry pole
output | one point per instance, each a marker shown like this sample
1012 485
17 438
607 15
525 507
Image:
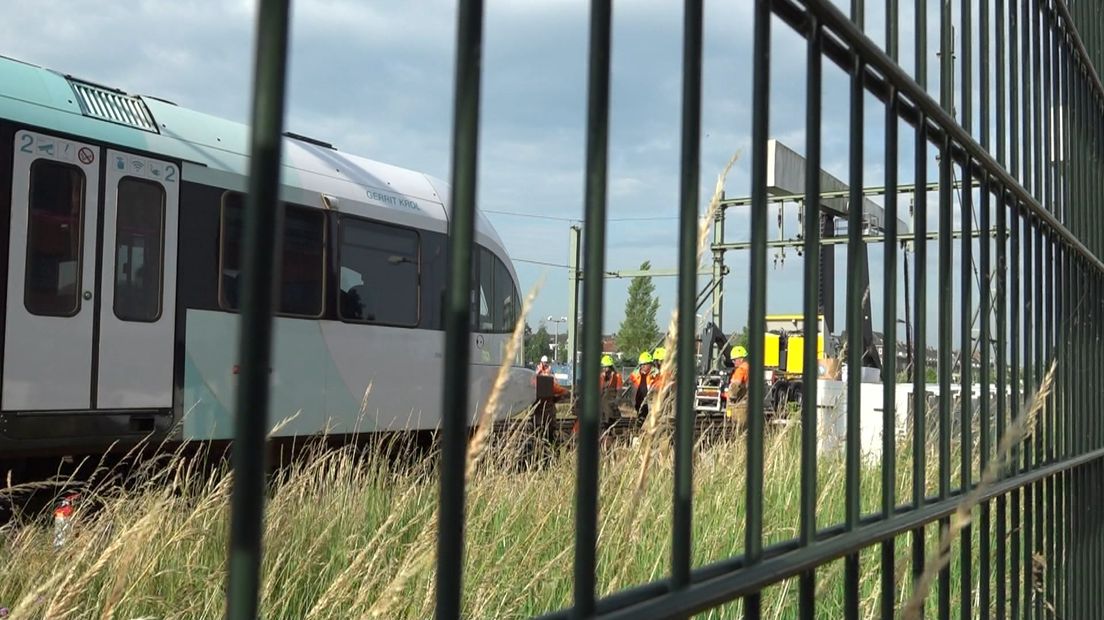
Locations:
262 213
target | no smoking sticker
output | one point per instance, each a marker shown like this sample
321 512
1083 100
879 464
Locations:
85 155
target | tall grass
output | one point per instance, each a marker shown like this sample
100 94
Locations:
346 534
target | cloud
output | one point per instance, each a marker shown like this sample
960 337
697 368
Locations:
376 79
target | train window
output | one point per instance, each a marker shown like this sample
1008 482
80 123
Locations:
486 291
505 298
139 257
230 251
302 264
379 273
52 282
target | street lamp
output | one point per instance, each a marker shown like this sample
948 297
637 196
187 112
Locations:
562 319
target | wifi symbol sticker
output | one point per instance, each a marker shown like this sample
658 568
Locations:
137 164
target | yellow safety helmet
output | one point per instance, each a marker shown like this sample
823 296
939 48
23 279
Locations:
607 361
645 358
660 354
738 352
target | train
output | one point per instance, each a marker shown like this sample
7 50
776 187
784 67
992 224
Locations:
121 220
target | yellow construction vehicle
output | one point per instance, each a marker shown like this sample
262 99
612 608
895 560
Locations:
783 346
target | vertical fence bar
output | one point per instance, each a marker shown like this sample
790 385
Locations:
1050 137
1040 430
965 356
1014 399
985 555
965 361
1047 532
262 213
1052 565
1037 90
1002 372
967 94
919 220
1026 178
454 404
1062 44
681 539
1062 519
889 329
1076 158
1025 390
1016 148
1080 567
945 347
1085 157
1081 581
945 279
1001 66
1014 82
1050 197
856 346
757 304
594 243
919 378
985 526
807 585
1084 418
1077 571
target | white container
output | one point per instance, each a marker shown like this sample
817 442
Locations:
832 418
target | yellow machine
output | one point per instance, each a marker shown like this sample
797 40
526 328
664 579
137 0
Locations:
784 343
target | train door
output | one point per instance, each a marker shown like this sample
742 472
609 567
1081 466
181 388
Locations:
137 283
51 274
74 341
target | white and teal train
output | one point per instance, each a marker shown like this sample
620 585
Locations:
122 219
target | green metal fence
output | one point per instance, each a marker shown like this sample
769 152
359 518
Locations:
1033 145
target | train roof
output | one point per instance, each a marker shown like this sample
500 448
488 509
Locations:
213 149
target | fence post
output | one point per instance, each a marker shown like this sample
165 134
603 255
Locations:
262 212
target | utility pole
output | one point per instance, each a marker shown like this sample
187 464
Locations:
573 278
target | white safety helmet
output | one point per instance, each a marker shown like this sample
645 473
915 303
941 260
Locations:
544 359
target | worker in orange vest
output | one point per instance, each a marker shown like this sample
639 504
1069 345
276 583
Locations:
659 378
642 379
609 385
738 384
544 368
609 380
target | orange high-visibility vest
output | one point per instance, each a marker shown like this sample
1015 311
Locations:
613 382
740 375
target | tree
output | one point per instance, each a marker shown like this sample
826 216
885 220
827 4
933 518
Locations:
639 331
743 338
536 344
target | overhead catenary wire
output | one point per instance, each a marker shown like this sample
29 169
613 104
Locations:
576 220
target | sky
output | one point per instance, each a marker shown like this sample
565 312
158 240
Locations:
376 79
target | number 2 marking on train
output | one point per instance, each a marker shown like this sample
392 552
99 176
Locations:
170 174
28 141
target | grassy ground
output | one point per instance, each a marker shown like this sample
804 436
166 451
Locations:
350 536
